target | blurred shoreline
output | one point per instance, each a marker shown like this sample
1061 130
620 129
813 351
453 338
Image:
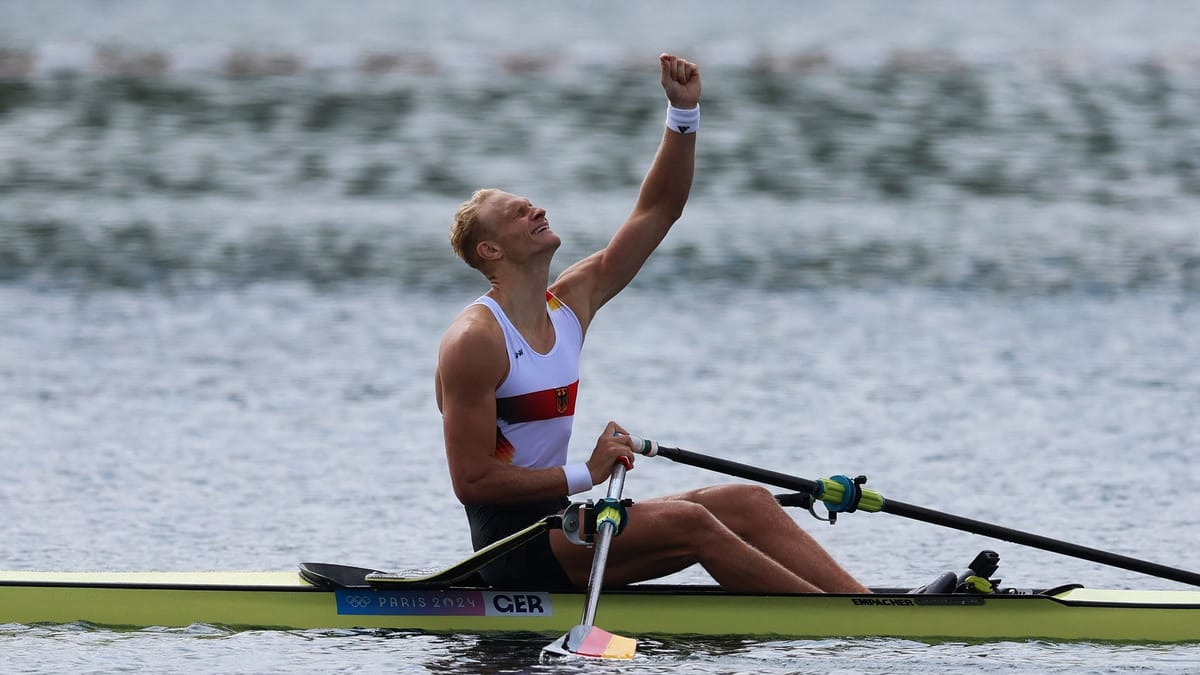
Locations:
67 58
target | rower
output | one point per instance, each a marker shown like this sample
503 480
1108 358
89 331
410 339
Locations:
507 383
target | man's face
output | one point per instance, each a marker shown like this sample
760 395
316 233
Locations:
517 227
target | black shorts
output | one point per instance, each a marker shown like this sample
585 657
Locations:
530 567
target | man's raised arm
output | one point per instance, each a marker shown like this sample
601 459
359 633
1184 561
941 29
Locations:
594 280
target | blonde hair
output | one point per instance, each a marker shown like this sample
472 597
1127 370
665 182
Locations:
467 230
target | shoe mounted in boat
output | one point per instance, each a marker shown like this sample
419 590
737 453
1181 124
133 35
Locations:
944 583
974 579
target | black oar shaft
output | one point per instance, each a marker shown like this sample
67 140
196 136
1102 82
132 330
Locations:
737 469
1038 541
930 516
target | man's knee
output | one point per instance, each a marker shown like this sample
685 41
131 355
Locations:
667 518
757 495
745 496
755 492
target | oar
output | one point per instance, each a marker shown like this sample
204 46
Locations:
586 639
843 494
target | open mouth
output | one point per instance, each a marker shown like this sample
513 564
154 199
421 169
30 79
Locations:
542 229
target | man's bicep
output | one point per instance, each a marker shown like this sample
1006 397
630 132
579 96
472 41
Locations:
469 418
467 384
596 279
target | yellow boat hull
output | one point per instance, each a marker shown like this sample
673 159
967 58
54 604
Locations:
285 600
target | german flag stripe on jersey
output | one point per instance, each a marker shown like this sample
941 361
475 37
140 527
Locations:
538 405
504 448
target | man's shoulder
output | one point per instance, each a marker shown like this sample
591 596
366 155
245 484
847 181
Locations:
474 326
472 350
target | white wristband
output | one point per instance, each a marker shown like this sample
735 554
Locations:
579 478
685 121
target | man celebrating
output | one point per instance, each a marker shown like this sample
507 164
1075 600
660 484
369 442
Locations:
506 383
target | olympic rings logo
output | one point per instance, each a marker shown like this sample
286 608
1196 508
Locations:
358 601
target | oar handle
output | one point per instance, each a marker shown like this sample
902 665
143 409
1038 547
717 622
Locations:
624 464
644 446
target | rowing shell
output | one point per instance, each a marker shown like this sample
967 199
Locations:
290 600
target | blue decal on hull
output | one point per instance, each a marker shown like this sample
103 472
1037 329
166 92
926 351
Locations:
367 601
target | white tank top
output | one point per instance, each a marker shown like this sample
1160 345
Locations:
535 405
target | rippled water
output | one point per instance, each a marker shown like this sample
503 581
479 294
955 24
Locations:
951 248
961 178
215 651
1069 164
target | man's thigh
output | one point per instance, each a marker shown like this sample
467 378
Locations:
654 543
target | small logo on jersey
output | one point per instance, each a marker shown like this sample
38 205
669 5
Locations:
519 354
562 399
